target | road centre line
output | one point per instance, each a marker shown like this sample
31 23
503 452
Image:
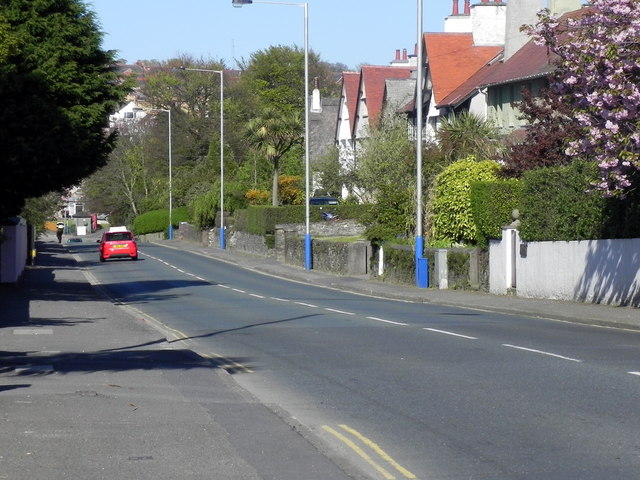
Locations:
238 290
435 330
634 373
541 352
339 311
306 304
280 299
388 321
256 295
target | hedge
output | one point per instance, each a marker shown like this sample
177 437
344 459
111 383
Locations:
492 205
158 220
262 219
561 204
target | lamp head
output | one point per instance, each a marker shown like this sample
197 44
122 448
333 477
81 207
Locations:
240 3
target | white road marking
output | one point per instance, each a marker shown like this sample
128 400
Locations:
280 299
634 373
339 311
306 304
450 333
541 352
388 321
256 295
238 290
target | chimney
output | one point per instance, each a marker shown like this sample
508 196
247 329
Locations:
404 54
467 7
455 8
519 12
397 54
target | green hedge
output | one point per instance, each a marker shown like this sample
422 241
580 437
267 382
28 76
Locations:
560 204
492 205
262 219
158 220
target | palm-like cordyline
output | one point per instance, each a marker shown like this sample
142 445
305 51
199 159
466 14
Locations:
273 134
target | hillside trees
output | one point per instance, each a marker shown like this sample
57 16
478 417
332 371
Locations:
57 88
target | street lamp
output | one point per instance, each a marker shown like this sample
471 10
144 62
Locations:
221 73
307 236
421 265
170 176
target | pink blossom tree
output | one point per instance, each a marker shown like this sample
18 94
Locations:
598 74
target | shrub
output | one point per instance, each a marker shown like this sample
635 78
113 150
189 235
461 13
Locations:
205 208
452 218
492 204
560 203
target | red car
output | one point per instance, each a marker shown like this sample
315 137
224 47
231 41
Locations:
118 244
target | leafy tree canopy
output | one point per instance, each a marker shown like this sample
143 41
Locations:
57 88
276 76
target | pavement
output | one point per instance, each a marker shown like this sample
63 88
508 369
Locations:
90 390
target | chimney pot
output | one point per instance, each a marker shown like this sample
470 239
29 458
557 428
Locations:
455 8
404 54
397 54
467 7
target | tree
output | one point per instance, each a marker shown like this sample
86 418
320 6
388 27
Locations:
468 134
192 97
274 134
57 89
387 158
598 75
276 76
550 126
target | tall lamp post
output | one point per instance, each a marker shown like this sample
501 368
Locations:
421 266
170 177
307 237
221 73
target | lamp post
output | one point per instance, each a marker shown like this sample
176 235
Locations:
221 73
170 176
421 265
307 237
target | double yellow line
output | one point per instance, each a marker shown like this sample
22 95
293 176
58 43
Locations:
364 455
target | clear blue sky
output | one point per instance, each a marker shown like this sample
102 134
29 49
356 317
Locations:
353 32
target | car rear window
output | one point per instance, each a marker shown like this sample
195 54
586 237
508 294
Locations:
119 236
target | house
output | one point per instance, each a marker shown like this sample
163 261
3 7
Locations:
472 40
362 102
493 91
131 112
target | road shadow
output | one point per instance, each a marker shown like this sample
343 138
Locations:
40 282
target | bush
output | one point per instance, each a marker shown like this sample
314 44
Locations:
560 204
205 209
492 204
392 216
158 220
452 216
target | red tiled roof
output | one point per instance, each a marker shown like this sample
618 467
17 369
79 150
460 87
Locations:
351 83
373 81
453 59
531 61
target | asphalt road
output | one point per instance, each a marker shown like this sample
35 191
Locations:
393 389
